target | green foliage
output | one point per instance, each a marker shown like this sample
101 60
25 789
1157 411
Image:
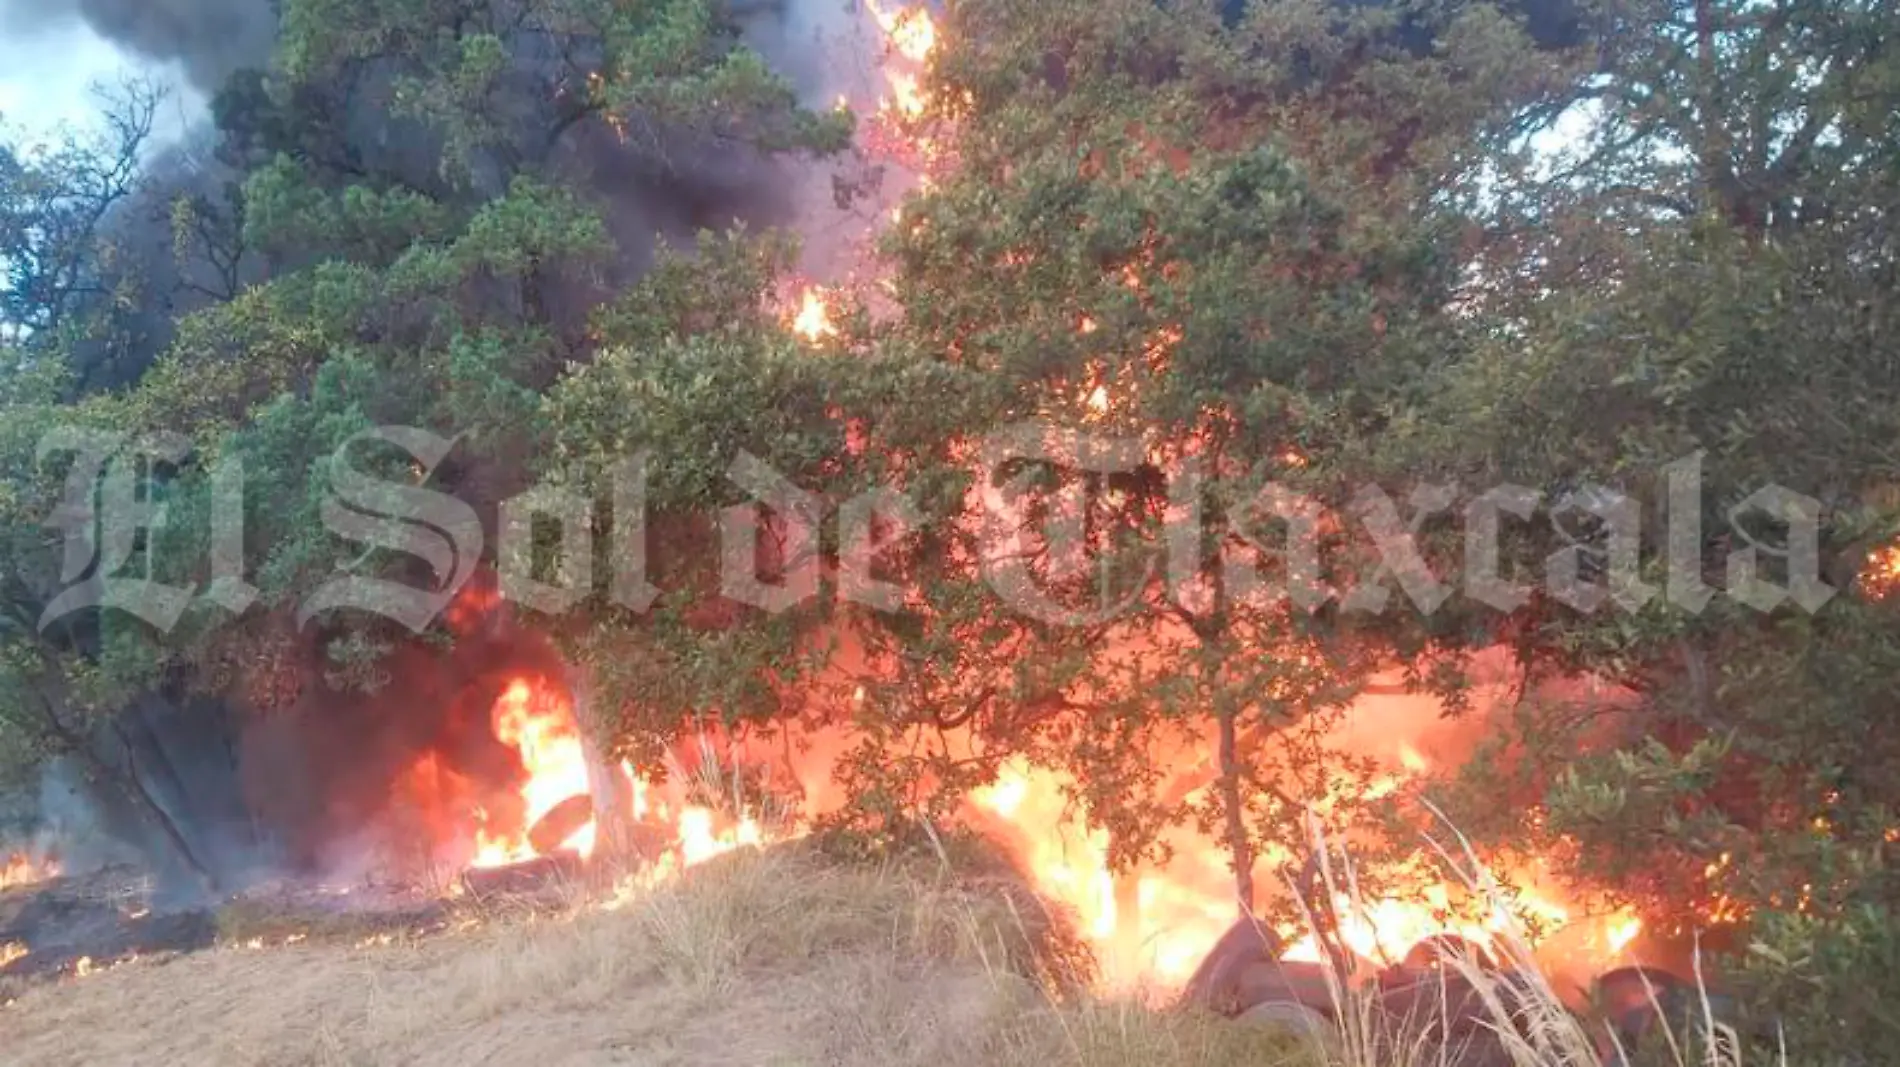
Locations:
1297 250
1698 275
1161 231
448 303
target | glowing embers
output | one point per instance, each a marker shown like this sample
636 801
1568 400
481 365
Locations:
1881 575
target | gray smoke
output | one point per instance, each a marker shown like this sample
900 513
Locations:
300 788
208 39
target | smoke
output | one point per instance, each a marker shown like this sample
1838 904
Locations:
207 39
348 783
831 51
328 786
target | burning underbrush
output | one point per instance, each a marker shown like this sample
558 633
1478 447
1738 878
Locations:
778 955
775 955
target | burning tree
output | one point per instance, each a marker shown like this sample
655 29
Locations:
1689 304
1176 272
1228 264
434 210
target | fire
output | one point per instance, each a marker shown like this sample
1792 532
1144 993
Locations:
536 719
909 97
812 320
1148 927
1152 926
538 722
911 36
909 30
1882 572
23 869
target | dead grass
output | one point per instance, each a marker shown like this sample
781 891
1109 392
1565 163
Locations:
777 958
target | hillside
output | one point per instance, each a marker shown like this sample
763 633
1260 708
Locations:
769 959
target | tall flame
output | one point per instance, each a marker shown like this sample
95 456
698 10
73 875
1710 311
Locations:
1152 926
537 721
910 36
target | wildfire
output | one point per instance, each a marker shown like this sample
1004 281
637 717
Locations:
909 31
23 869
909 35
536 719
1151 927
1882 573
812 320
538 722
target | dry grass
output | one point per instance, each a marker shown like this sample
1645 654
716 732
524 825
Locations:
774 958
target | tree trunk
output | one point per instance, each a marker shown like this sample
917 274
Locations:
133 784
607 784
127 780
1239 848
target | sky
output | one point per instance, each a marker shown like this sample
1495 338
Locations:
48 71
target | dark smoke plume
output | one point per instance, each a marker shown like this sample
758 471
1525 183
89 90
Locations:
317 788
330 776
209 39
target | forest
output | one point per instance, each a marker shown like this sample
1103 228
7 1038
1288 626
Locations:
1314 343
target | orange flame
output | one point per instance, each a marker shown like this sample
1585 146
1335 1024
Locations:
909 30
537 720
910 35
1152 926
1881 575
22 869
812 320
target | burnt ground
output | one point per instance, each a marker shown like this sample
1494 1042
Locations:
76 924
97 917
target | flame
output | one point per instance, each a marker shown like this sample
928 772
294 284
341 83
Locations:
812 320
1148 928
1152 926
909 31
539 723
23 869
1881 575
536 719
910 36
1622 931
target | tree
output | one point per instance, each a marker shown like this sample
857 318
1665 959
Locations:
66 281
440 284
1696 294
441 298
1225 247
